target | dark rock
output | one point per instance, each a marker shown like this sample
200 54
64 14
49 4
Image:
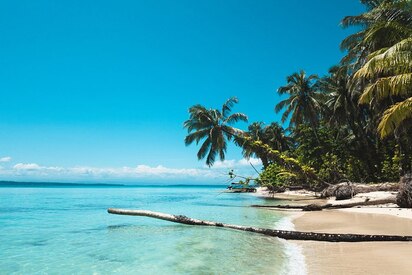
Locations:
344 191
404 197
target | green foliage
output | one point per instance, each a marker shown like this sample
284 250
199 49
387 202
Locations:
331 169
275 177
213 128
354 124
390 168
356 170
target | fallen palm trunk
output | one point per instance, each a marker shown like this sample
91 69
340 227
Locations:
319 207
288 235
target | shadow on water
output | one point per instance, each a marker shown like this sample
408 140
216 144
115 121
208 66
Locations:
149 228
120 227
215 204
105 258
35 243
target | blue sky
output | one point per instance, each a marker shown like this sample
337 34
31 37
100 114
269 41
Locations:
93 90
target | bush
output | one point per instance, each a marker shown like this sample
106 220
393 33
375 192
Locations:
275 178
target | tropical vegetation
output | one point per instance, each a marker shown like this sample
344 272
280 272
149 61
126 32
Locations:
355 123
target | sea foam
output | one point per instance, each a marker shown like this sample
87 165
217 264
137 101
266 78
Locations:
296 264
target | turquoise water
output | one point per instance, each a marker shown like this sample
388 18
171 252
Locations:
68 231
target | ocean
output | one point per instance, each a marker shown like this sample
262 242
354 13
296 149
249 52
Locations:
54 229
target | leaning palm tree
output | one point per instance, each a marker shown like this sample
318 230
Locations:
272 135
303 102
275 135
255 132
213 126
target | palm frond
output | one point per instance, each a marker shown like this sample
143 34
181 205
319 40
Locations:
282 104
227 106
394 116
398 85
196 136
236 117
204 149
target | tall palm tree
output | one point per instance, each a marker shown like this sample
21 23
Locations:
339 104
386 77
213 128
303 102
342 110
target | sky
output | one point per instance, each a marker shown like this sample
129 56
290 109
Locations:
97 91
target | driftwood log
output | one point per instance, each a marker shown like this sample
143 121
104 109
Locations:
356 188
284 234
319 207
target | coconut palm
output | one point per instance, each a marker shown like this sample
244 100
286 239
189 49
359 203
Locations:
277 138
390 73
385 23
272 135
213 128
303 102
339 106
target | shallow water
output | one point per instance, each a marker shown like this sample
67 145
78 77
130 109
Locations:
67 231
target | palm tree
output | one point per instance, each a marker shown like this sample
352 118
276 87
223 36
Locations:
351 120
303 102
255 132
213 126
273 135
390 76
390 73
385 23
339 104
277 138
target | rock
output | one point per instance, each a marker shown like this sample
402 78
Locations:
341 191
329 191
404 197
344 191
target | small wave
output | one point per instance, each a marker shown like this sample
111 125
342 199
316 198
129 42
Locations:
296 264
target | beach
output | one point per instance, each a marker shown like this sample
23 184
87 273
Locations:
357 258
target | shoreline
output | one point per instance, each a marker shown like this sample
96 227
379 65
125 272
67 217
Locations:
357 258
348 258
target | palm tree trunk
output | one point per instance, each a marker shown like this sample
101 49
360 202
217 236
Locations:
288 163
288 235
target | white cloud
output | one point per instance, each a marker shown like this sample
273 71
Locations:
233 164
224 164
253 161
5 159
83 172
26 166
218 173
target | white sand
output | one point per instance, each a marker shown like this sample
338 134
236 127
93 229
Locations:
358 258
